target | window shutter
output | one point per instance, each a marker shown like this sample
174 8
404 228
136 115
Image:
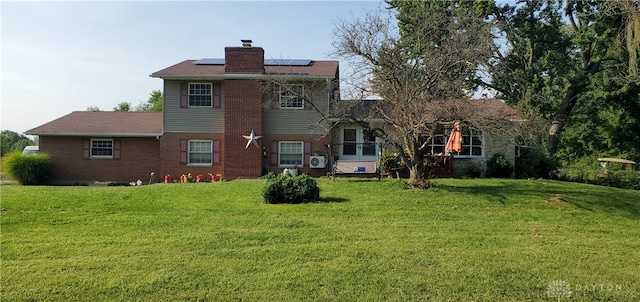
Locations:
183 151
116 149
216 94
184 95
307 153
86 148
216 152
274 153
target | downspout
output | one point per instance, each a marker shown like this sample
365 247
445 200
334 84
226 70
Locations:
328 95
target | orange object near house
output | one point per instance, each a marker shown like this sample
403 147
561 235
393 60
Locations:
454 144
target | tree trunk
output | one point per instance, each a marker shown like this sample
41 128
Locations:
569 101
562 114
416 175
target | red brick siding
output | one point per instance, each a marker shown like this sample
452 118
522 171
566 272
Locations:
170 155
318 144
243 113
244 60
139 157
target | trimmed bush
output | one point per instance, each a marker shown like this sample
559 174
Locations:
290 189
28 169
498 166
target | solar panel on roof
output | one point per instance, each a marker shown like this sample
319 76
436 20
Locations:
287 62
207 61
300 62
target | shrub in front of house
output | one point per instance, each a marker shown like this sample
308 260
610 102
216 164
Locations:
28 169
472 170
534 163
282 188
499 166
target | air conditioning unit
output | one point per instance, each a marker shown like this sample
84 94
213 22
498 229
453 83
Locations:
317 162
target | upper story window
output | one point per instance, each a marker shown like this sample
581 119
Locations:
291 96
102 148
200 152
291 154
200 94
471 143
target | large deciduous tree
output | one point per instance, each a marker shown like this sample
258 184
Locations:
13 141
573 62
154 103
431 55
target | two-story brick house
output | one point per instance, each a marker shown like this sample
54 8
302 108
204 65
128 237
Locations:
241 116
212 104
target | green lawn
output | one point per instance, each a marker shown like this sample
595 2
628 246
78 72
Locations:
462 240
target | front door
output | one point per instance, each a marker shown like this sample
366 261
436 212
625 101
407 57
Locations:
358 144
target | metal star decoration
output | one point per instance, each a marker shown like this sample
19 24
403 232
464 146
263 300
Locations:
252 138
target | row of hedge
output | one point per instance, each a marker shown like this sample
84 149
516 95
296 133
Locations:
588 170
36 169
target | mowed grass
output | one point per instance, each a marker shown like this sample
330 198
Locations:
462 240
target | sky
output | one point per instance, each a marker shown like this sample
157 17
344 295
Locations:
58 57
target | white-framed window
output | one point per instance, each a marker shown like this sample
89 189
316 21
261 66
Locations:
438 143
200 94
200 152
291 96
471 143
102 148
291 154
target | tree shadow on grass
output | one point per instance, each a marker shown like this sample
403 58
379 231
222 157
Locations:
355 179
332 199
587 197
616 203
495 193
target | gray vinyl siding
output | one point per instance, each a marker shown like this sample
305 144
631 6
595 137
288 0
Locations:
297 121
193 120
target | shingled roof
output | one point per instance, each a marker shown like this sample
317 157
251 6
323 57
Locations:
189 69
103 123
470 108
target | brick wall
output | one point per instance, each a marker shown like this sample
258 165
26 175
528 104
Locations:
139 157
170 163
318 145
244 60
243 113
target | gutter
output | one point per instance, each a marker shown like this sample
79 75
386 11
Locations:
94 134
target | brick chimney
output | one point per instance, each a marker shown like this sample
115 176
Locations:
245 59
243 111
